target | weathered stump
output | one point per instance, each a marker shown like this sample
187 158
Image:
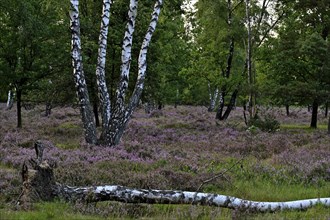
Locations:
38 180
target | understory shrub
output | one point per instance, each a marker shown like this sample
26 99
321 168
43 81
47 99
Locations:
267 123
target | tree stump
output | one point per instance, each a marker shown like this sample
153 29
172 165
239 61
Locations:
38 180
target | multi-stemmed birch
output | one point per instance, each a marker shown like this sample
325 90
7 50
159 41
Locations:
114 118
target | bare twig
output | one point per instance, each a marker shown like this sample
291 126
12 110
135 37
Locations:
219 175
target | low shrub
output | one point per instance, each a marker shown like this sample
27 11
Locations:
267 123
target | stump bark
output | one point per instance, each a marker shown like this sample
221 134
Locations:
38 180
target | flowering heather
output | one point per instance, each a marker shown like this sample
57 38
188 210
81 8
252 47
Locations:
177 148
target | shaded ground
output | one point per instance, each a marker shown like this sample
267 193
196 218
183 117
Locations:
174 149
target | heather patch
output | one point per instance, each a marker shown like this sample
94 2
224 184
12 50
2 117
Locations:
179 148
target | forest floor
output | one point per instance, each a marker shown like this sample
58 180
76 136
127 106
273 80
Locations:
175 148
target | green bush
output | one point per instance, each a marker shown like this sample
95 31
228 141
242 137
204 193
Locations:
268 123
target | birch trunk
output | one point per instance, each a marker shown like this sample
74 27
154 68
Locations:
79 77
100 69
251 103
221 105
113 123
10 99
126 56
130 195
213 96
142 61
122 115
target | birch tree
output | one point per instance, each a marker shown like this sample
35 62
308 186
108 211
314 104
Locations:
260 19
115 116
219 36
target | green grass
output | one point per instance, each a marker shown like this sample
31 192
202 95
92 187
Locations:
60 211
43 211
302 127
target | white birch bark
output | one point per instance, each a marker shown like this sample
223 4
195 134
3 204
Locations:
10 99
130 195
213 96
100 68
126 55
79 77
251 77
142 61
122 114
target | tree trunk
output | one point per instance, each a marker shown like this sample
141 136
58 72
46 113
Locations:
142 61
39 185
329 125
221 106
213 96
80 83
19 107
251 76
105 103
326 111
287 109
48 110
10 99
130 195
315 107
96 114
231 105
113 123
220 115
126 56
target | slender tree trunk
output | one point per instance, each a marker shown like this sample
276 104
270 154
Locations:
213 96
96 114
81 87
160 105
48 110
251 77
221 114
326 110
104 97
315 107
10 99
142 61
231 105
126 56
176 99
287 109
19 107
221 106
329 125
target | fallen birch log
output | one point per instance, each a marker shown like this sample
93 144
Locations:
131 195
39 184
